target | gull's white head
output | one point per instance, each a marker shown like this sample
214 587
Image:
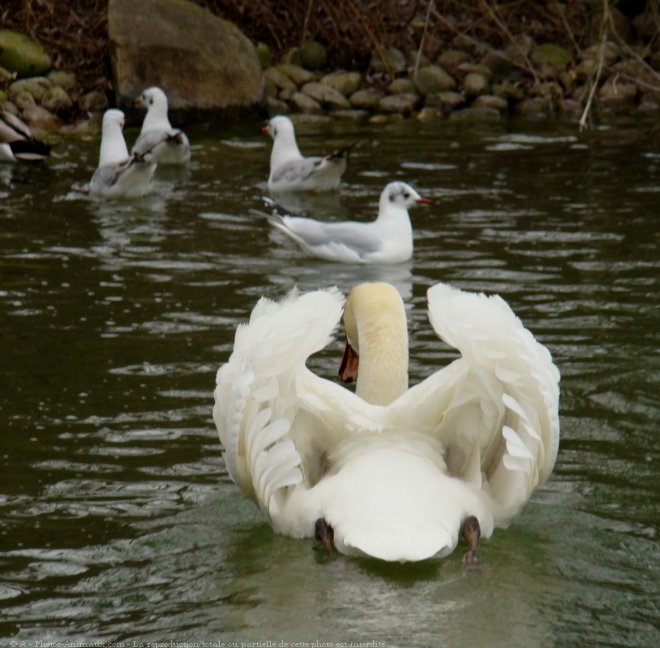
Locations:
280 127
400 194
155 101
113 145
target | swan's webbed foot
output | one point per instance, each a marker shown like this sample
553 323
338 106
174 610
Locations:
471 532
324 534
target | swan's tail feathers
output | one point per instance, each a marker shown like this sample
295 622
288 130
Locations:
255 397
30 150
520 380
399 506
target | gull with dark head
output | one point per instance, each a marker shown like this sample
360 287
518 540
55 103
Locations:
167 145
17 144
118 174
291 171
388 239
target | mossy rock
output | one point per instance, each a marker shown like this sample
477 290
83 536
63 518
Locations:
313 55
432 79
264 55
22 55
551 54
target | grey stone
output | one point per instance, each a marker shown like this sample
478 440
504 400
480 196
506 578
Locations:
57 100
499 64
264 55
276 106
445 101
395 61
40 118
345 83
508 90
366 99
429 114
94 101
432 79
403 104
536 107
452 58
296 73
279 79
313 55
474 113
20 54
304 103
351 115
203 63
551 54
36 86
615 94
476 68
475 84
402 85
326 96
491 101
62 79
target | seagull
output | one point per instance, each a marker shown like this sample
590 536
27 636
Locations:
169 146
118 174
290 171
388 239
17 143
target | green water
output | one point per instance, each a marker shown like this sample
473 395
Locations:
118 522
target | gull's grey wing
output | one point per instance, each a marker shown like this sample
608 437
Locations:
359 237
148 141
296 170
12 128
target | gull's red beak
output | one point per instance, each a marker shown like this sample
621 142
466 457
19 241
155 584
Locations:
424 201
264 130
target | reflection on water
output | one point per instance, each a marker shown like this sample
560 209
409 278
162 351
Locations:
119 522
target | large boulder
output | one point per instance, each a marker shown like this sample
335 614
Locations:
22 55
205 65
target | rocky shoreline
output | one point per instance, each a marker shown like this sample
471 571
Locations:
467 80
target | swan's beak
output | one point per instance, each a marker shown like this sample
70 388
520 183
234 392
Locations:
424 201
348 370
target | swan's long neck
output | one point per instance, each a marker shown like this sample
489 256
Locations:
375 322
383 373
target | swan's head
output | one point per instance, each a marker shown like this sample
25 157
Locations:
153 99
402 195
279 126
376 353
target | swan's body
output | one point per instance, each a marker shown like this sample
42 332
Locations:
17 143
118 174
394 471
166 145
388 239
290 171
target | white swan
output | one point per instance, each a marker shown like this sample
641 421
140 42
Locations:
166 145
388 239
290 171
119 175
394 473
17 144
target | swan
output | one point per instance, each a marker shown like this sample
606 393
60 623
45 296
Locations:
290 171
119 175
17 144
388 472
167 145
388 239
